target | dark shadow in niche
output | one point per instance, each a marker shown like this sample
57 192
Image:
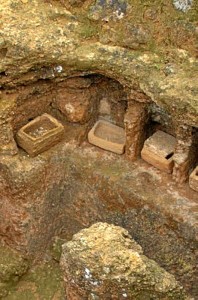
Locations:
194 147
30 119
153 127
3 52
169 155
2 73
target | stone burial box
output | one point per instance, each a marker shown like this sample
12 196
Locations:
40 134
158 150
107 136
193 179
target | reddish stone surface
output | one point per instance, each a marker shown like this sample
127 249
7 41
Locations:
31 101
7 142
68 188
77 105
185 157
135 122
112 93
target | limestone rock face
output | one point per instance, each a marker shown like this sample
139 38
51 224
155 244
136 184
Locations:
150 46
103 262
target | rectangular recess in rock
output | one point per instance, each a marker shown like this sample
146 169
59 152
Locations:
193 179
40 134
158 151
107 136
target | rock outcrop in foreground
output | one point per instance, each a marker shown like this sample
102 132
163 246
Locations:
103 262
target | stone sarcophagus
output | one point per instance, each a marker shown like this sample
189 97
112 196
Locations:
40 134
158 151
107 136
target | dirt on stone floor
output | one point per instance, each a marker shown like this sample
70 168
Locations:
43 282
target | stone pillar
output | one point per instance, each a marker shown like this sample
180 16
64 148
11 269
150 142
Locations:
185 153
7 142
135 120
104 263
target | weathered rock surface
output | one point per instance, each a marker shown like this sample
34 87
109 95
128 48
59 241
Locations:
43 40
149 47
103 262
12 267
78 105
68 188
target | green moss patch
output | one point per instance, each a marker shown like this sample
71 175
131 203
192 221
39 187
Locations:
43 282
12 267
